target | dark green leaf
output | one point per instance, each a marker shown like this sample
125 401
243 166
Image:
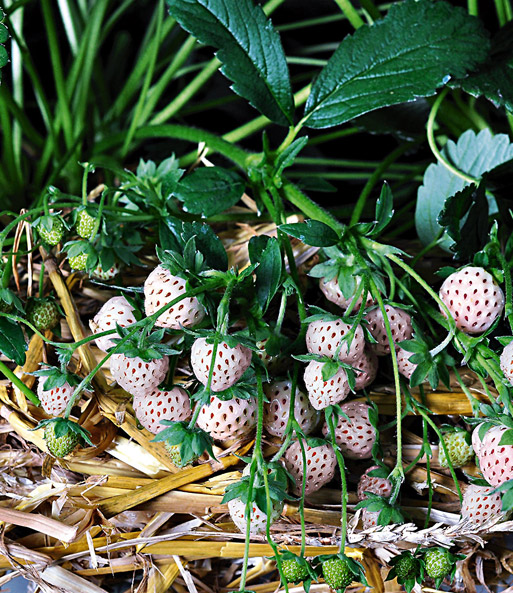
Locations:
249 48
384 209
287 157
312 232
268 273
408 54
12 341
209 191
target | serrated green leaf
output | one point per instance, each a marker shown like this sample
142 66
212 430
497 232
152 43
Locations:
209 191
12 341
474 154
410 53
312 232
249 48
384 210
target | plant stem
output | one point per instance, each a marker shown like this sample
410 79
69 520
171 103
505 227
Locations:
351 13
428 473
472 7
15 380
342 468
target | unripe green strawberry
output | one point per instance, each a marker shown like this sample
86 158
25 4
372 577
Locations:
337 573
174 453
294 571
78 262
406 567
43 313
85 224
55 234
438 563
459 448
60 446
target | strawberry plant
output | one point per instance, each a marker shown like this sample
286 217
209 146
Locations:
326 376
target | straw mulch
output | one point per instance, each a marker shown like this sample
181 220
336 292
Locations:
120 517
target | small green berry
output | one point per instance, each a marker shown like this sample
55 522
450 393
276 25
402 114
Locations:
294 571
78 262
85 224
54 235
337 573
406 567
60 446
174 453
43 313
438 563
459 449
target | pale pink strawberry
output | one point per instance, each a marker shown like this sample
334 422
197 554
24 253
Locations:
54 401
105 275
324 337
116 310
369 518
321 463
480 504
160 288
325 393
374 485
406 368
473 299
366 369
229 366
400 326
276 410
258 518
137 376
332 292
495 460
262 354
356 437
476 441
225 420
150 409
507 362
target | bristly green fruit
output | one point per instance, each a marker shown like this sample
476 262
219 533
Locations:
78 262
406 567
294 571
60 446
438 563
85 224
459 448
53 235
43 313
337 573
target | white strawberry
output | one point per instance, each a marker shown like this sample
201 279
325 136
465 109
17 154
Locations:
150 409
495 460
229 365
226 420
405 366
108 274
366 369
369 518
116 310
356 437
321 463
160 288
507 362
137 376
480 503
262 354
473 299
258 518
476 441
276 410
373 484
324 337
325 393
54 401
332 292
400 326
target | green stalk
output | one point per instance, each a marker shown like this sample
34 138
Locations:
28 393
351 13
301 509
342 468
472 7
428 473
501 15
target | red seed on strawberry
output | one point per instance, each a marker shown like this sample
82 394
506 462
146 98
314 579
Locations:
54 401
373 484
136 375
325 393
276 410
405 366
116 311
150 409
225 420
480 503
495 460
229 365
332 292
369 518
160 288
324 338
400 327
357 436
366 369
321 464
473 299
